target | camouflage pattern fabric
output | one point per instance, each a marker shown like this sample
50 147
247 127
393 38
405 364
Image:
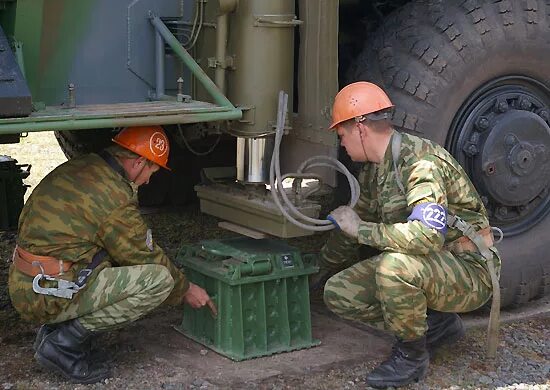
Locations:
119 295
77 209
413 271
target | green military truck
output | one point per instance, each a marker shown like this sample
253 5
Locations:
471 75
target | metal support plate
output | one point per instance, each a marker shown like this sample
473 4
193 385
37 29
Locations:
15 97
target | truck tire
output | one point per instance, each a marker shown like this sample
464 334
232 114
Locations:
473 76
75 143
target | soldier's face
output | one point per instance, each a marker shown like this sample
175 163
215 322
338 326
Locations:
144 171
350 139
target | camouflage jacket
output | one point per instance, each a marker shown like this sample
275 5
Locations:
428 174
76 210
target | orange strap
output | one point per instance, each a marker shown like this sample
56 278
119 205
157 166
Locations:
29 264
464 244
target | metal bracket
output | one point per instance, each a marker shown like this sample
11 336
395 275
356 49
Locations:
288 20
249 114
228 64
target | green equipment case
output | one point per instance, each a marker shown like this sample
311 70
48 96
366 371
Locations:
260 288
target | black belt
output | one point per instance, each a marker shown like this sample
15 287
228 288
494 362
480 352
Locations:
85 273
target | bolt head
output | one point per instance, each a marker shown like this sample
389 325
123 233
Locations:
483 123
525 104
544 114
502 106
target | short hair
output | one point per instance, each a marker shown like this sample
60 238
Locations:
120 152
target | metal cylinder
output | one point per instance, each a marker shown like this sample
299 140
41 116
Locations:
253 159
221 46
262 41
159 65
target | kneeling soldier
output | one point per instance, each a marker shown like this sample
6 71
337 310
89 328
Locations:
85 261
422 214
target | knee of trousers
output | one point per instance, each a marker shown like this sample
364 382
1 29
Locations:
158 280
333 296
396 268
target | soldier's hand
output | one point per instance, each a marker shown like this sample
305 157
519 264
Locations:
197 297
347 220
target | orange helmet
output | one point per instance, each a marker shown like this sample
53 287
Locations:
150 142
357 99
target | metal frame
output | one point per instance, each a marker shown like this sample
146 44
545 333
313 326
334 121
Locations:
108 116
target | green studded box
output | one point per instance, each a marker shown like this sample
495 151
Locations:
260 288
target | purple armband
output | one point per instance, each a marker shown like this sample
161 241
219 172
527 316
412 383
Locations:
433 215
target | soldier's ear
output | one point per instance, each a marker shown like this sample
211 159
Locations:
140 161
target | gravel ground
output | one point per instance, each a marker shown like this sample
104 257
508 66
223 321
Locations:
523 361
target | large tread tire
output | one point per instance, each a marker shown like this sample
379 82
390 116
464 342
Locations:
431 56
75 143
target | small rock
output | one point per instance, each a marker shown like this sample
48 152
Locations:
485 380
7 386
206 385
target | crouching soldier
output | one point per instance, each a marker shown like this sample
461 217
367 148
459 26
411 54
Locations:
85 261
422 214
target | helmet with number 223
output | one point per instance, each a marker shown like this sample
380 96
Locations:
150 142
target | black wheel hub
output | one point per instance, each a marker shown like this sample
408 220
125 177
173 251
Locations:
501 137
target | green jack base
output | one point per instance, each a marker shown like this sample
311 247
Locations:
260 288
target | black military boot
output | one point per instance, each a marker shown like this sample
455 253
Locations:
66 350
443 328
44 330
408 363
97 354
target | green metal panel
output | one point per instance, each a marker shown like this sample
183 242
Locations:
261 290
50 31
7 16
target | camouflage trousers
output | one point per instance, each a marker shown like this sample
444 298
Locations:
119 295
392 291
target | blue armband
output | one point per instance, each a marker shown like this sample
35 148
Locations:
433 215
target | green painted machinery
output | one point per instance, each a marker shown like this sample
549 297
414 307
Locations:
261 290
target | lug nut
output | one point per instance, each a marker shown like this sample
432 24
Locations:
503 211
482 123
502 106
544 114
525 104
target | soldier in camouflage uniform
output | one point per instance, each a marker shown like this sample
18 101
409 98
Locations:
425 271
82 224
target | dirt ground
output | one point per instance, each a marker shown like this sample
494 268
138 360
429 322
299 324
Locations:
150 354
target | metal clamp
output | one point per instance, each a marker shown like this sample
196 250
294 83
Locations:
277 21
65 289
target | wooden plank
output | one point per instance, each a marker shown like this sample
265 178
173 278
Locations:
242 230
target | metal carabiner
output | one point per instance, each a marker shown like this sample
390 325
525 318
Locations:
64 289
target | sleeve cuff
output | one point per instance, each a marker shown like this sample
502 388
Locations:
365 233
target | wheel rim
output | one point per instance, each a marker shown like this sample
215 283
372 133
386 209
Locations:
501 136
